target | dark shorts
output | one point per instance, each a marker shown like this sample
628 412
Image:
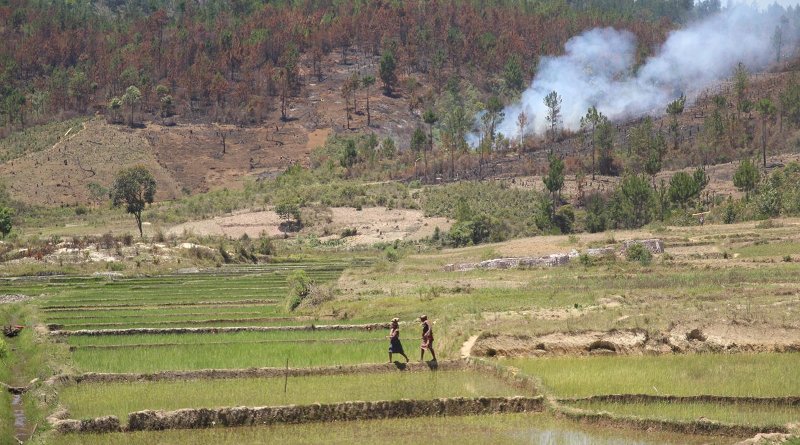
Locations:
395 347
427 344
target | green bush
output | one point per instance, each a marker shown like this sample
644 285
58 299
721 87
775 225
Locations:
392 255
585 260
638 252
265 246
632 203
729 214
595 213
299 287
350 231
564 218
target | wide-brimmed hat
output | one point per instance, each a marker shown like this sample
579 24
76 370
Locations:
423 317
395 320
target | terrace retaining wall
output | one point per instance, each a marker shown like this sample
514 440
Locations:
107 424
347 411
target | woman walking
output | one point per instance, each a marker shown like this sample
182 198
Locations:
395 347
427 338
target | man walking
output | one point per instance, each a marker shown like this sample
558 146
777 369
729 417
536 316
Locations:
427 338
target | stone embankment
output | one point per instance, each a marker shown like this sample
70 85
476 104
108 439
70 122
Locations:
553 260
347 411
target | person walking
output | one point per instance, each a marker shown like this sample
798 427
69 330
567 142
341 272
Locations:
395 347
427 338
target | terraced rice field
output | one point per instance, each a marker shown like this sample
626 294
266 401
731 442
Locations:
95 400
230 297
245 354
742 375
738 413
505 429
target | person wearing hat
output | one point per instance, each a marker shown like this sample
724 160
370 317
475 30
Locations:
395 347
427 338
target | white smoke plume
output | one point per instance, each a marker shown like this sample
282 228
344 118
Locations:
598 69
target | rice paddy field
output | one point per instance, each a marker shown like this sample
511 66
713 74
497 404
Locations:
505 429
742 375
739 413
756 290
95 400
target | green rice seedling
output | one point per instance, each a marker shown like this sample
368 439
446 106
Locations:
714 374
222 337
503 429
740 414
93 400
228 356
769 250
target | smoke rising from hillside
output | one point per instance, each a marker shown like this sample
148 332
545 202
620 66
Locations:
597 69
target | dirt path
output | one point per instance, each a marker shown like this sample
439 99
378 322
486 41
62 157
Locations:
466 348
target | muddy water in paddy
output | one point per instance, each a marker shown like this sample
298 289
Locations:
556 436
20 426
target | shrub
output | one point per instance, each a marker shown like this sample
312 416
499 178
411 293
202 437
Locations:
299 287
564 218
127 239
317 295
595 213
226 257
729 214
632 203
769 200
392 255
265 246
638 252
746 177
351 231
585 260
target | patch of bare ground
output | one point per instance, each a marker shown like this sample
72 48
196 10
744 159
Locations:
372 224
604 303
681 339
61 174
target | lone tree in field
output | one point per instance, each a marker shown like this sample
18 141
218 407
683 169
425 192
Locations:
135 187
5 221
